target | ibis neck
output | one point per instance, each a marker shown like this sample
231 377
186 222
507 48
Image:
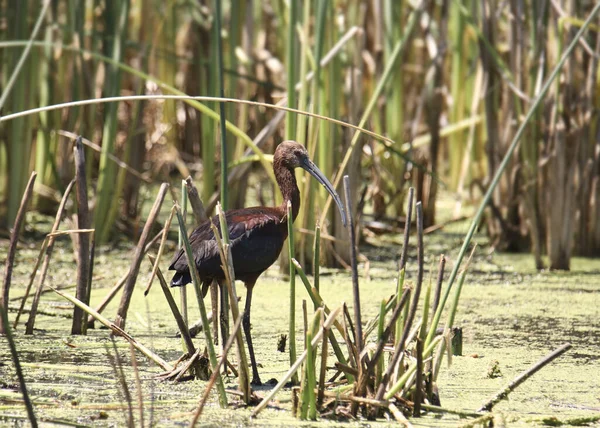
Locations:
289 189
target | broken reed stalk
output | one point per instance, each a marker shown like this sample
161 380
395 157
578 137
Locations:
420 263
183 329
524 376
292 321
15 357
213 378
402 261
442 410
426 301
227 263
326 325
480 421
83 290
30 282
438 285
311 371
323 372
138 384
137 258
354 259
47 254
197 284
418 395
398 351
159 254
12 248
116 330
398 415
347 323
409 208
195 201
380 339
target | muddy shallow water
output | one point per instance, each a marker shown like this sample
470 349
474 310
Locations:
511 316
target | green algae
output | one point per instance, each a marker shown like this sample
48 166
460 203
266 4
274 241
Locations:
509 313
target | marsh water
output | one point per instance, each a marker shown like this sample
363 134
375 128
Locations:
511 316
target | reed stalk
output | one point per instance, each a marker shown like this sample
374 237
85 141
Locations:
181 324
227 261
12 246
116 17
79 325
206 327
291 67
354 258
137 257
292 321
48 248
316 257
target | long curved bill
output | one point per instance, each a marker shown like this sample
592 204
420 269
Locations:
313 170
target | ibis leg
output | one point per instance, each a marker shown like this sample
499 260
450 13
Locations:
214 303
224 316
246 325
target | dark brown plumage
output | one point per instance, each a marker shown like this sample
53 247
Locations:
256 234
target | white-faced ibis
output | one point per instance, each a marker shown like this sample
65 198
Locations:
256 234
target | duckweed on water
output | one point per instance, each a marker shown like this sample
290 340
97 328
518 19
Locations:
509 313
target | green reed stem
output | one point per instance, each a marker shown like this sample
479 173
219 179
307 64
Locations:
317 257
291 59
183 290
292 326
206 326
221 105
